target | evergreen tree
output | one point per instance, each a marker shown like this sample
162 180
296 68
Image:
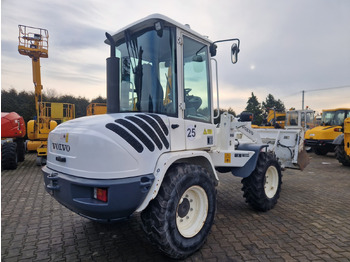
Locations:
23 103
99 99
231 111
271 102
253 106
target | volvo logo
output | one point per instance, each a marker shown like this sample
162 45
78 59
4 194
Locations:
61 147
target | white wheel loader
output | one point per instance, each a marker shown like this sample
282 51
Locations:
157 150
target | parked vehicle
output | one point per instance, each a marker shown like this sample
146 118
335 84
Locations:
320 138
342 144
157 149
13 131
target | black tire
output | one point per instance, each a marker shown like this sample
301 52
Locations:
9 155
20 150
341 155
321 151
40 161
162 219
262 188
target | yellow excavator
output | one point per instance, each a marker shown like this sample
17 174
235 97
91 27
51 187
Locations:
274 119
33 42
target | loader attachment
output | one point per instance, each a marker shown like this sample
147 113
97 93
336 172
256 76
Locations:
303 159
288 146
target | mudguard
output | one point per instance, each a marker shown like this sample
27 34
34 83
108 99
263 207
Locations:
248 168
167 159
338 140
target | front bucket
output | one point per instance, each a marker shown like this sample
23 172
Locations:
303 159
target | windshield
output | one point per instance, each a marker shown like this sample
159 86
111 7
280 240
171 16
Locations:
333 118
292 118
148 77
306 119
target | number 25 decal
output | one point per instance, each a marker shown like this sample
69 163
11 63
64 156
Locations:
191 132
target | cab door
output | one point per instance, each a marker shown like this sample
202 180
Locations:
196 93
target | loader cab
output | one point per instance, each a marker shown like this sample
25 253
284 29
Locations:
165 69
300 119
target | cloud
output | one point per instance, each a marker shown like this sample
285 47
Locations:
293 45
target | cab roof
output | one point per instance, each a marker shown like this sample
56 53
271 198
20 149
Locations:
336 109
149 21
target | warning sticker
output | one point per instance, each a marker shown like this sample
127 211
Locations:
227 158
207 132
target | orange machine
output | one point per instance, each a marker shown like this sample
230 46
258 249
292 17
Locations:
13 130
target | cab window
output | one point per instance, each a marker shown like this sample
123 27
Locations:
196 80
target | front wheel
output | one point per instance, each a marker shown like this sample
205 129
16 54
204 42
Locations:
341 155
321 150
262 188
9 155
179 219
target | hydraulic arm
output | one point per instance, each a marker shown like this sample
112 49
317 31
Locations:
33 42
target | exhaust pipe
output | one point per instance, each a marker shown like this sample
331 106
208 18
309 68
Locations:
113 79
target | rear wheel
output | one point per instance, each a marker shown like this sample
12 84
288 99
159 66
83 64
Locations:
262 188
9 155
40 161
179 219
341 155
321 151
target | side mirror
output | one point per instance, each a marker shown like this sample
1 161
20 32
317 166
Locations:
197 65
197 58
234 48
234 53
212 49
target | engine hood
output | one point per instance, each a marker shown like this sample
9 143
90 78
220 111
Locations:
322 133
108 146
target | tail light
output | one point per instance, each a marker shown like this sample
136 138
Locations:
337 129
101 194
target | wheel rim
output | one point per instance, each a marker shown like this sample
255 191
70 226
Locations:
271 181
192 211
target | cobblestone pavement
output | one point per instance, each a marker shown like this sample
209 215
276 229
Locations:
311 222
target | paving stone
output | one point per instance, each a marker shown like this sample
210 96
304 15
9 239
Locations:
309 223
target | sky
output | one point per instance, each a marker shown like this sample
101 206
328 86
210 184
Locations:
287 46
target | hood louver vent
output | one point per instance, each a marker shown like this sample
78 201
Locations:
141 131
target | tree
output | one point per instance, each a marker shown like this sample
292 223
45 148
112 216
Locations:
231 111
22 103
80 104
253 106
99 99
50 94
271 102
